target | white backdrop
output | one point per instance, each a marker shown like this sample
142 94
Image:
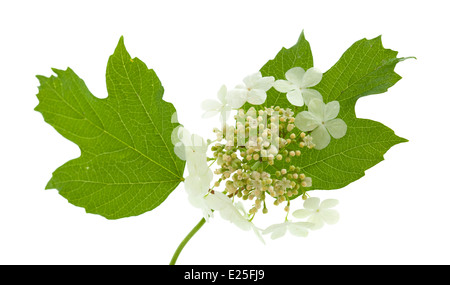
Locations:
397 213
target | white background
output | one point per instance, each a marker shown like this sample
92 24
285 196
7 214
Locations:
398 213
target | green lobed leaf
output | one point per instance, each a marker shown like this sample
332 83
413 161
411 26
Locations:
365 68
127 164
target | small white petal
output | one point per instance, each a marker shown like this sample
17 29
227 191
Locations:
185 136
311 78
309 94
311 203
237 97
174 118
218 201
337 128
295 75
264 83
295 97
306 121
180 150
317 107
321 137
240 207
301 214
197 185
256 96
278 232
284 86
196 200
209 105
329 216
240 221
270 229
209 114
329 203
251 80
222 94
174 136
299 229
258 233
317 221
331 110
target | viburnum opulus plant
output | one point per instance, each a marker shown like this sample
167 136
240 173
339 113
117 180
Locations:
286 130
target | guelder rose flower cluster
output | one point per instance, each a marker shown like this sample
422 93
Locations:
255 161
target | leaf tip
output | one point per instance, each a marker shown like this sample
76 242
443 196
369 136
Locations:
302 36
57 71
41 79
50 185
408 57
120 48
121 39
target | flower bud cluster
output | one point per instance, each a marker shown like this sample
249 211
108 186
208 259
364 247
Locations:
252 160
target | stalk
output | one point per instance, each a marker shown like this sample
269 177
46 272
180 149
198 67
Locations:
185 241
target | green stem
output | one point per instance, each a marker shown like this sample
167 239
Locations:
185 241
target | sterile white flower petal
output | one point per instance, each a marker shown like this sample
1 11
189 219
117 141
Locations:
311 77
319 213
218 201
321 137
331 110
310 94
337 128
257 232
284 86
300 229
306 121
210 104
317 221
227 210
180 150
276 230
197 184
317 107
237 97
251 80
222 94
256 96
264 83
329 203
329 216
301 213
295 97
311 203
295 75
209 114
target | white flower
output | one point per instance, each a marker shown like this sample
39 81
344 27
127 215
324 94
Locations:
214 107
297 85
318 213
197 183
320 119
195 150
296 228
197 186
254 90
231 212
